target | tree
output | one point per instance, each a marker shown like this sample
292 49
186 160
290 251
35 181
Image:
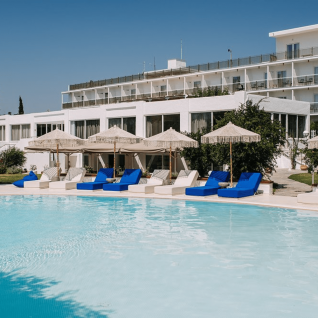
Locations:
12 157
21 110
199 158
311 158
247 157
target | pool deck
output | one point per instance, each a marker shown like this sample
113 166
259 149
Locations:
261 200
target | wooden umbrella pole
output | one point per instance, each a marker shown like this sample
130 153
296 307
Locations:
170 164
231 164
58 161
114 159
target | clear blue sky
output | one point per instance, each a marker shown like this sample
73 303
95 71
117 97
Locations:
45 45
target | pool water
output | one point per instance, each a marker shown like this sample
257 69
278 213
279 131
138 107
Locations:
123 257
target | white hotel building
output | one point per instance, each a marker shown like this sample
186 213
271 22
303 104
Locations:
146 104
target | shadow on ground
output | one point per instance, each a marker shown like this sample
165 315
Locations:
24 297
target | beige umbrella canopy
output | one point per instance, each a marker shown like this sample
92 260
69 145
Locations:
230 133
313 143
55 139
170 139
114 135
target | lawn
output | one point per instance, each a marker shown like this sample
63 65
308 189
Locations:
303 177
10 178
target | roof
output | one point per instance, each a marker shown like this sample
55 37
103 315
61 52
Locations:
305 29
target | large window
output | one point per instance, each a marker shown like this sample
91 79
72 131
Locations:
159 123
42 129
125 123
200 121
85 128
20 132
301 126
2 133
157 162
292 126
293 48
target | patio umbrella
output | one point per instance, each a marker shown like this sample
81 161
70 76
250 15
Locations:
56 139
170 139
230 133
114 135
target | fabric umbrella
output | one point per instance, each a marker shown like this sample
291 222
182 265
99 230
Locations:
56 139
170 139
114 135
230 133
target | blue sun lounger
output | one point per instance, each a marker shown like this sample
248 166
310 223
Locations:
99 181
212 185
130 176
31 177
246 186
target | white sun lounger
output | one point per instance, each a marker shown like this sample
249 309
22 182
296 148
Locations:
45 180
157 179
186 179
73 177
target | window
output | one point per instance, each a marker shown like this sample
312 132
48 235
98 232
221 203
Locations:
283 120
20 132
316 75
125 123
276 117
236 79
153 125
197 84
2 133
281 79
42 129
293 51
301 126
133 92
156 124
292 126
282 97
200 121
157 162
85 128
163 88
265 79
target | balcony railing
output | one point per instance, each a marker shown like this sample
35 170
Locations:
245 61
256 85
313 108
280 82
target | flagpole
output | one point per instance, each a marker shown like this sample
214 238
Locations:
231 163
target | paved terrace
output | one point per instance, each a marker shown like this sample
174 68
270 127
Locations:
262 199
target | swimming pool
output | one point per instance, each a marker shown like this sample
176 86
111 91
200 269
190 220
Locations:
122 257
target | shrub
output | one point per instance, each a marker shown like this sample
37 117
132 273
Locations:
12 157
3 169
33 167
14 170
89 169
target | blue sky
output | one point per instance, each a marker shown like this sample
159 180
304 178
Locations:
47 45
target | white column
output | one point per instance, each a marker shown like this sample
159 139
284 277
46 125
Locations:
245 79
151 87
184 84
222 80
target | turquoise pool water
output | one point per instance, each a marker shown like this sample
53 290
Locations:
117 257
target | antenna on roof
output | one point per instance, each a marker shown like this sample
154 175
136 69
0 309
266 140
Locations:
154 63
181 49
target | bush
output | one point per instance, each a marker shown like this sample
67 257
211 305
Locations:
14 170
3 169
89 169
12 157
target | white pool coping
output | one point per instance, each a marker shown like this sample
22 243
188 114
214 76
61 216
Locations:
260 200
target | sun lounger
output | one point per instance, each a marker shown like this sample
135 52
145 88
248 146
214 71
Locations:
74 176
157 179
99 181
130 176
186 178
246 186
21 183
45 180
212 185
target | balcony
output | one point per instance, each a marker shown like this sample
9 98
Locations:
245 61
314 108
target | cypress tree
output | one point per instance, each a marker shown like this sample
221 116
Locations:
21 110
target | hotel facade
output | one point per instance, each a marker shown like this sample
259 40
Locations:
149 103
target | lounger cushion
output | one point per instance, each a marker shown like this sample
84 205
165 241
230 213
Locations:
116 186
216 177
30 177
202 191
131 176
103 174
90 185
235 192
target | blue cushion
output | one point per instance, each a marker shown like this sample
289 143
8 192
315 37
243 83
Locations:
20 183
235 193
116 186
90 185
103 174
201 191
131 176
